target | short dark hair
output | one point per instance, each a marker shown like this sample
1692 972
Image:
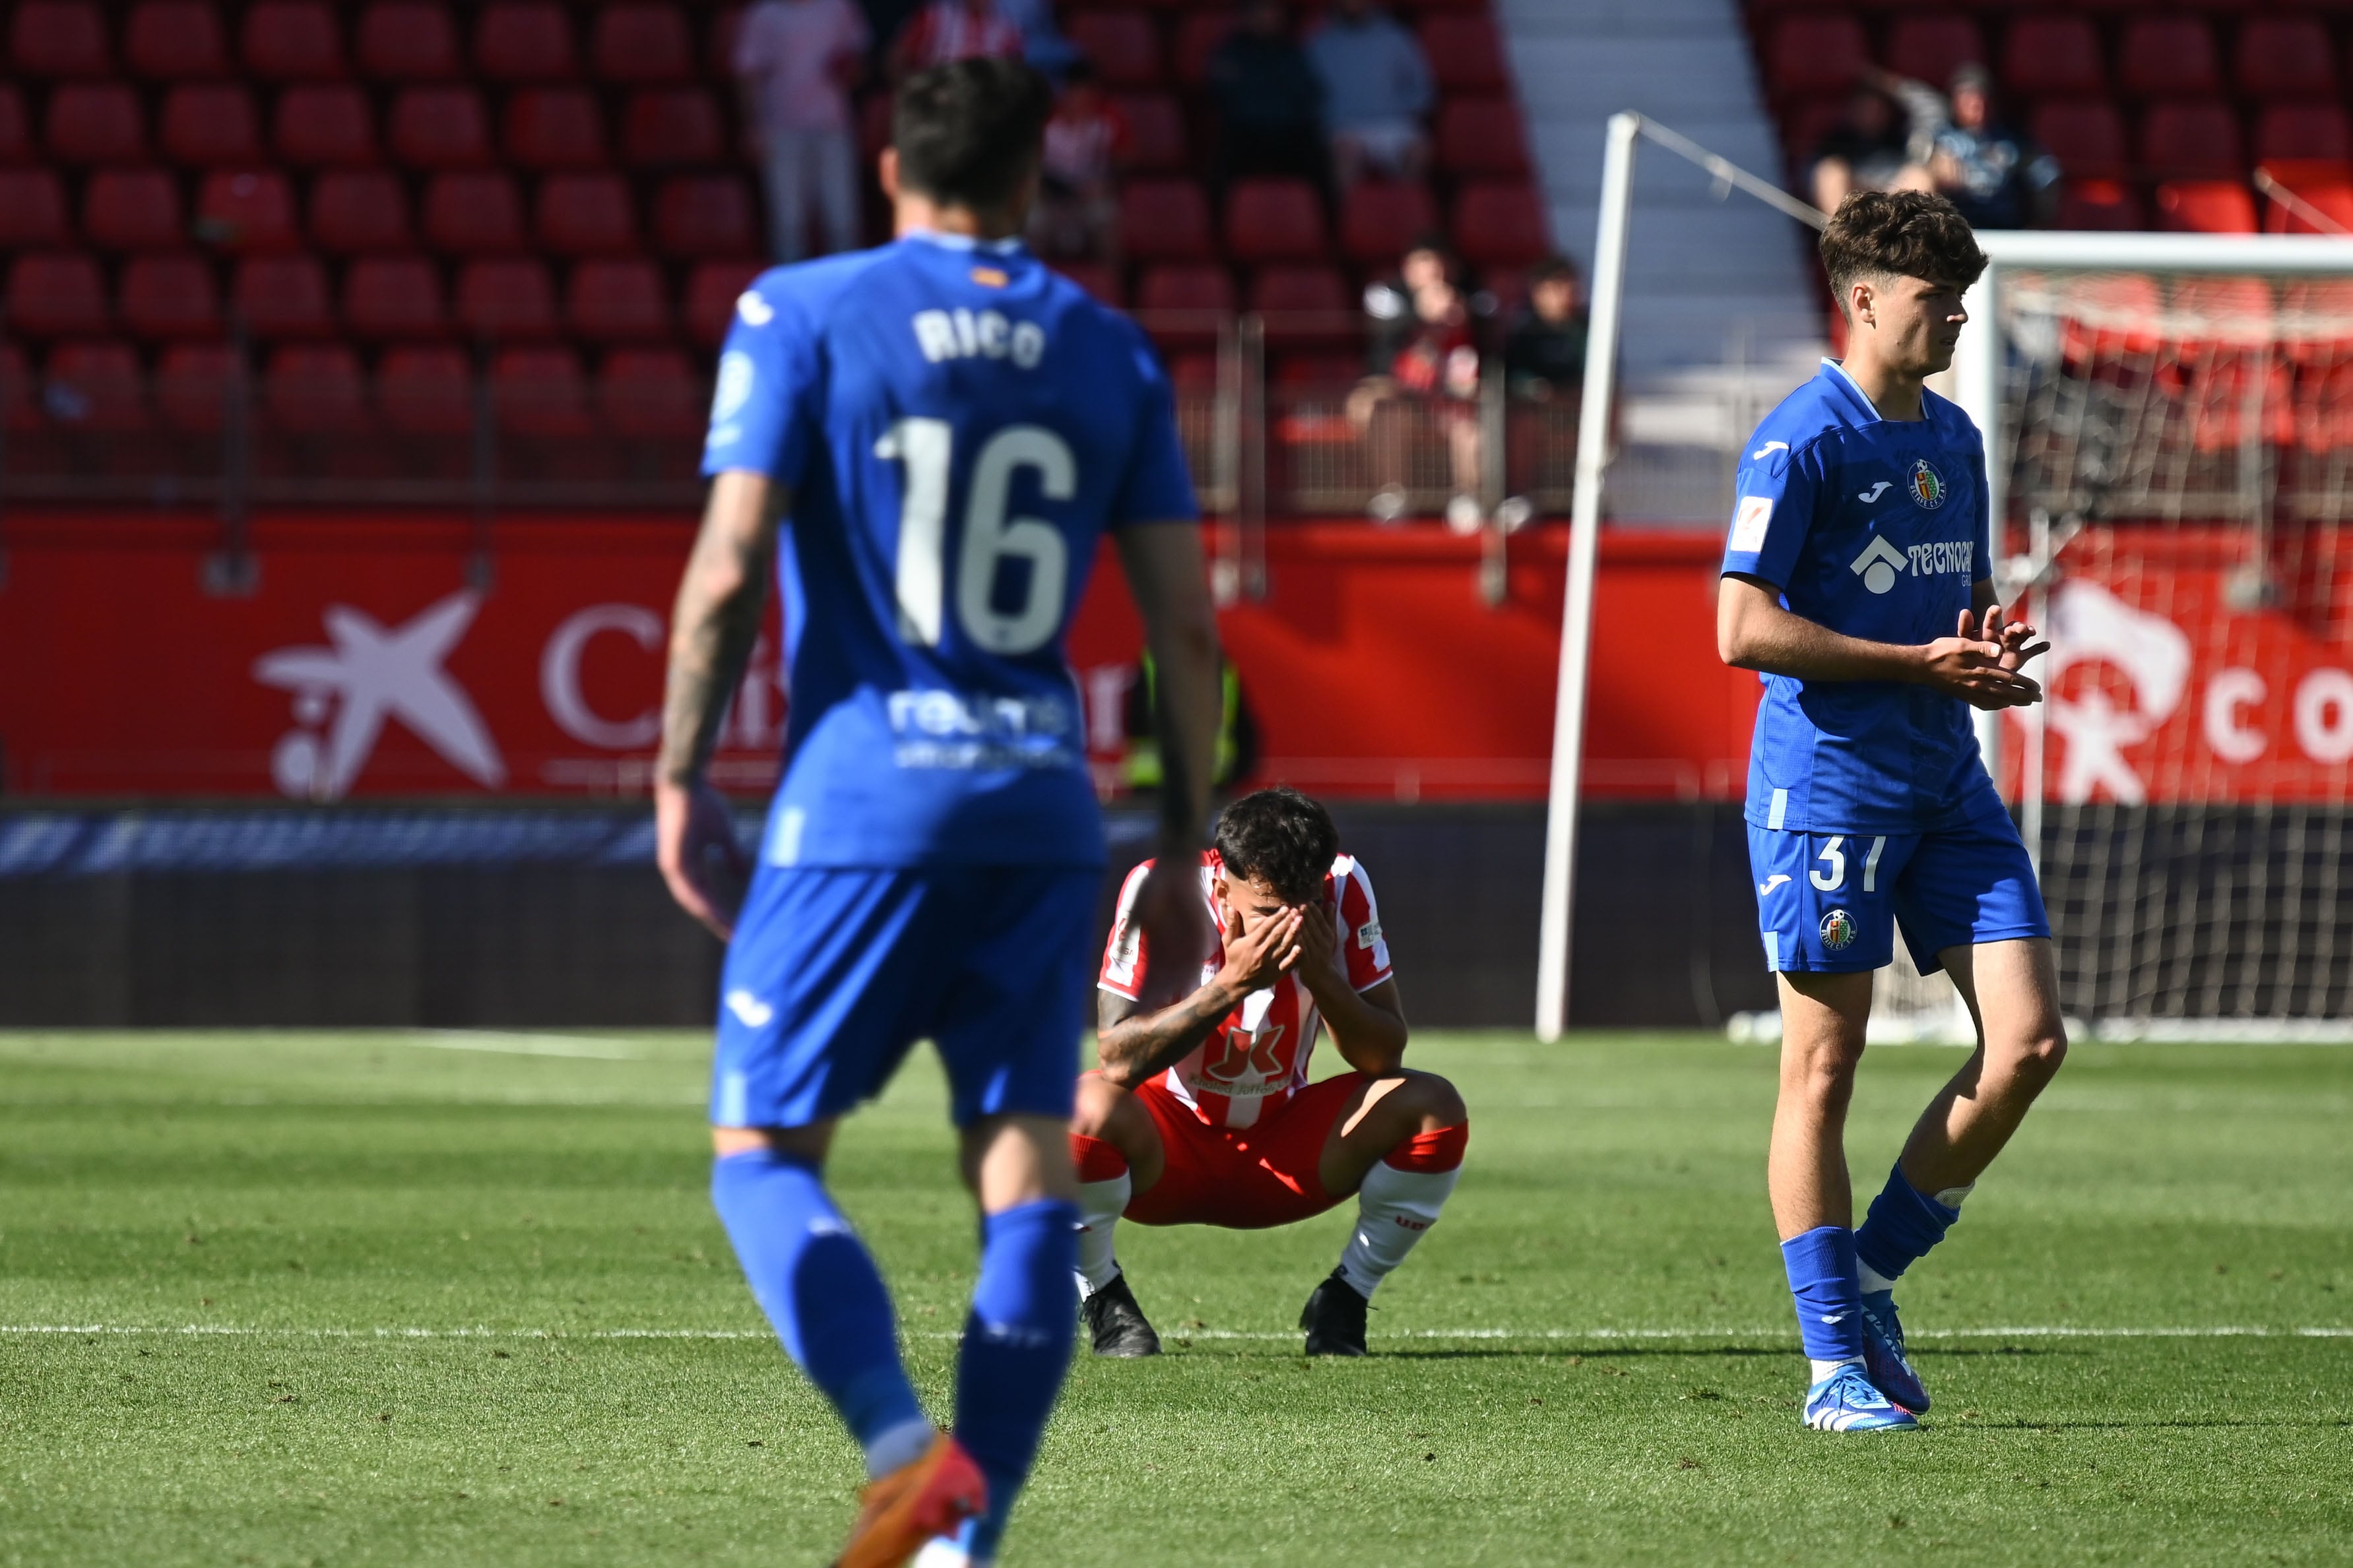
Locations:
969 132
1551 267
1281 838
1899 234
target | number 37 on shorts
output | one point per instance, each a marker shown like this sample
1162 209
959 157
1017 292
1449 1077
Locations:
1831 902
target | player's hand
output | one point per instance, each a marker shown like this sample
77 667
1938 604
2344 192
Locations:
2016 637
1969 667
1320 968
695 846
1177 935
1263 955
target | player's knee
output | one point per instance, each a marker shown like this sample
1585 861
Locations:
1438 1101
2037 1056
1095 1107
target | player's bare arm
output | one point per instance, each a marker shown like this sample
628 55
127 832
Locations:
1367 1026
1755 631
1136 1042
713 627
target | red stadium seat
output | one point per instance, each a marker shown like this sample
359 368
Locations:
246 210
1464 54
394 297
292 40
473 215
726 28
426 392
505 299
1155 132
439 128
58 38
1481 136
15 129
1198 34
1380 222
32 208
1124 46
55 294
2205 206
554 128
1164 220
2326 186
2088 139
1193 372
1099 281
540 392
17 409
283 297
705 216
1502 224
2167 56
651 391
408 40
617 302
1814 54
1275 220
2100 204
2054 56
586 214
1304 305
175 40
2285 56
324 126
193 385
711 290
526 40
315 389
169 296
96 386
132 209
91 123
1928 46
672 128
356 210
2302 131
642 43
2191 141
206 125
1186 286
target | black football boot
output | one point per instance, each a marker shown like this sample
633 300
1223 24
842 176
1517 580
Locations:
1335 1319
1116 1323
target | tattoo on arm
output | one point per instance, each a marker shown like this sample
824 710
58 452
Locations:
1133 1046
716 621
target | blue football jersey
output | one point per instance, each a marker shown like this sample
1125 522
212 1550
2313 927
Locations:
1875 527
959 426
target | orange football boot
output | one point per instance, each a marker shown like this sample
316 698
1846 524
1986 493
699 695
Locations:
905 1508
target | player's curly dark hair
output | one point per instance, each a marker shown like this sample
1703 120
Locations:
967 132
1899 234
1281 838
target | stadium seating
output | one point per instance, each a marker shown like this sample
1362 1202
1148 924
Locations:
554 128
323 125
528 42
246 210
291 40
394 297
130 209
175 40
94 122
315 389
1275 220
98 388
32 208
283 297
359 210
408 40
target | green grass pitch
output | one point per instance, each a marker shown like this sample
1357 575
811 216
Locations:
408 1298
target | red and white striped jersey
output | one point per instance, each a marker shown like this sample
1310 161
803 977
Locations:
948 30
1256 1058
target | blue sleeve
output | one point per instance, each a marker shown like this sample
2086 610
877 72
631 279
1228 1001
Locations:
1778 491
1157 488
764 409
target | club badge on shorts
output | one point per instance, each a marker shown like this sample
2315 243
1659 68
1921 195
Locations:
1838 932
1928 486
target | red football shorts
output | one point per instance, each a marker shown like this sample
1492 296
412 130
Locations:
1245 1178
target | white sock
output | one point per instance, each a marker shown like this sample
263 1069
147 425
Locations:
1828 1368
899 1448
1873 1280
1394 1210
1100 1206
1951 1196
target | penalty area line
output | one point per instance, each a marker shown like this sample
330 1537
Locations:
2014 1332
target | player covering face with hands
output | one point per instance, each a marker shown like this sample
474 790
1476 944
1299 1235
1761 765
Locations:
1201 1112
1858 581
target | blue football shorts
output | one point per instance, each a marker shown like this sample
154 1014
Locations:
836 970
1829 902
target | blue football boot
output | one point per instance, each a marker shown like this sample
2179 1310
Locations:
1883 1360
1846 1402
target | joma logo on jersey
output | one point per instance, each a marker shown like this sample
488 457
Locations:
978 334
1881 562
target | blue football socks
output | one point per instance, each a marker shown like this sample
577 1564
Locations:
1830 1301
1017 1345
1902 1224
813 1278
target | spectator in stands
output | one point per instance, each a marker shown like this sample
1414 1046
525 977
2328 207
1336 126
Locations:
1042 43
1997 177
795 61
1378 88
1076 216
1270 101
1423 368
1870 149
1544 353
948 30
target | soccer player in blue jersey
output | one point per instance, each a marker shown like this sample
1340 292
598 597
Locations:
1858 579
944 430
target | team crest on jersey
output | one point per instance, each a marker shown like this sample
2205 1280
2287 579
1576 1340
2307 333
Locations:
1838 932
1928 486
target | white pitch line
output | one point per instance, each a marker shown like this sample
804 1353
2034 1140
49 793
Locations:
499 1043
2024 1331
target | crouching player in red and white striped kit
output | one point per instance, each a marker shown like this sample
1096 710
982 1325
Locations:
1201 1112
